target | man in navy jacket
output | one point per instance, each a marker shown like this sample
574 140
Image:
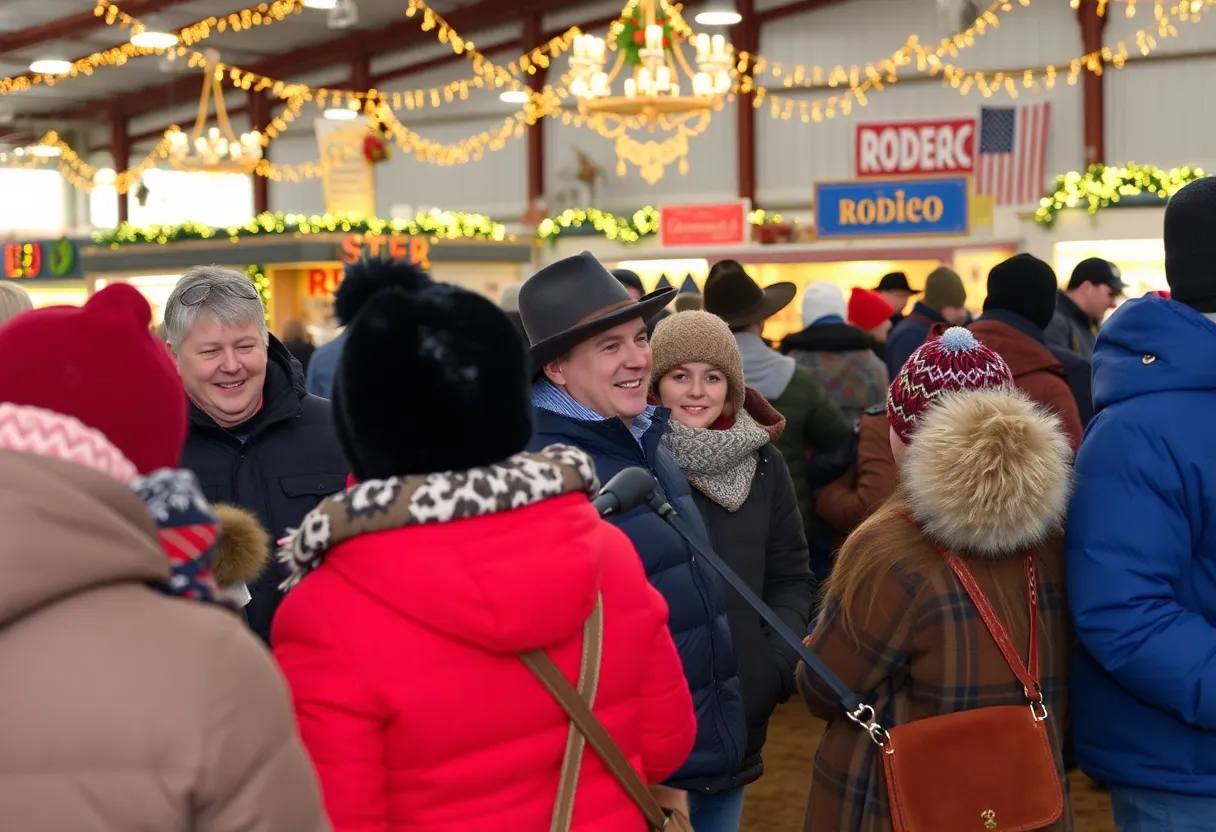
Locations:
592 365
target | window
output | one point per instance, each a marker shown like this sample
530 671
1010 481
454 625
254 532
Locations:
35 200
177 196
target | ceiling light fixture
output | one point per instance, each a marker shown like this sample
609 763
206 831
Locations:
515 96
154 40
51 66
341 114
718 13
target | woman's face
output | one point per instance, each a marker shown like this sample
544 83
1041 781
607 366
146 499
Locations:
695 392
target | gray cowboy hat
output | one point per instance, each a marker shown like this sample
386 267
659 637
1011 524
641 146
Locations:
574 299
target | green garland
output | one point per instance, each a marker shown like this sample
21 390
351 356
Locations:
443 224
628 230
257 276
1103 185
632 37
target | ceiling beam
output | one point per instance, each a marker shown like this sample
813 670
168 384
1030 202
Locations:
790 9
76 25
343 50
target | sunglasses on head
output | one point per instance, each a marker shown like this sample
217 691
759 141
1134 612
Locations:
198 293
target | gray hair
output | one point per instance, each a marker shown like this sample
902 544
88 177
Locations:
13 301
228 302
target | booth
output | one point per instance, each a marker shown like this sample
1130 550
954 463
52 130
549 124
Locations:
50 271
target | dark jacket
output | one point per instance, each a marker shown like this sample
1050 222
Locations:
909 334
853 497
764 544
323 365
1070 328
289 460
693 591
301 351
842 358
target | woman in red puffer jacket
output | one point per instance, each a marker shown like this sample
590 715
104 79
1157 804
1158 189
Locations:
418 588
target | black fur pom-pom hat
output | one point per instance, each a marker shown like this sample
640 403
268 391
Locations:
432 377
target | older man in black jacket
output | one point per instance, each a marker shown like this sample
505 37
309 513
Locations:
257 439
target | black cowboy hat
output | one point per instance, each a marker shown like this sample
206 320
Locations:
732 295
572 300
895 282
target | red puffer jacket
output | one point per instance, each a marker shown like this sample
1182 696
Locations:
400 650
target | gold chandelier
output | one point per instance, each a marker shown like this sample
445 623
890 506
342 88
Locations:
661 91
219 149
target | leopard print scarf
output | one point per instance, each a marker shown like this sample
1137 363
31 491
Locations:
384 505
721 464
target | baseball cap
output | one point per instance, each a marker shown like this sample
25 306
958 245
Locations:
1099 272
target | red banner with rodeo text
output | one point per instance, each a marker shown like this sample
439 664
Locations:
915 148
703 225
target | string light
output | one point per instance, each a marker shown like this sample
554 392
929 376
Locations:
257 276
643 222
264 14
1104 185
80 174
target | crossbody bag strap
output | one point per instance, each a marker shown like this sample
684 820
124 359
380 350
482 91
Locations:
588 684
597 736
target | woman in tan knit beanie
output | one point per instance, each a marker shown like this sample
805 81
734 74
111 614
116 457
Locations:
720 435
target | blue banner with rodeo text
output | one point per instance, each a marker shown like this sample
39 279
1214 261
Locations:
893 207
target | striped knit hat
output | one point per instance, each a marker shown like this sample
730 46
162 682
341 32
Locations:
953 362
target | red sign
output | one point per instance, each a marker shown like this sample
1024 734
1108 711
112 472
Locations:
323 282
703 225
915 147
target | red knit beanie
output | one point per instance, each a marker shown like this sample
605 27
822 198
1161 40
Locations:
955 361
868 309
99 364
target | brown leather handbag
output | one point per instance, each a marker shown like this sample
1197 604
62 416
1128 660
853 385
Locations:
983 769
663 808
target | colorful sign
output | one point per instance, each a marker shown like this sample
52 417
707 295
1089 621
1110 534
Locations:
387 246
48 260
704 225
915 148
893 208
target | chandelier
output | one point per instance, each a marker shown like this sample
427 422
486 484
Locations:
660 90
219 149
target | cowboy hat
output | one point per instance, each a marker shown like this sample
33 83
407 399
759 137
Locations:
733 296
574 299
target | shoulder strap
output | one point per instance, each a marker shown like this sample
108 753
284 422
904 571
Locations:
596 735
588 684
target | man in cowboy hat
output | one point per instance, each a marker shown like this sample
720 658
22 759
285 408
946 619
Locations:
591 366
896 291
814 426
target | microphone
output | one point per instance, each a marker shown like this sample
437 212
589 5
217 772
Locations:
630 488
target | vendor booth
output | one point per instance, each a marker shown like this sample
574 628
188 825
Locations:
50 271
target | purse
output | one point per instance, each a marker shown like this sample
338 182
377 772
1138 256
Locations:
987 768
664 808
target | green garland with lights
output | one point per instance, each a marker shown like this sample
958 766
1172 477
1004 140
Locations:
1104 185
442 224
632 37
257 276
628 230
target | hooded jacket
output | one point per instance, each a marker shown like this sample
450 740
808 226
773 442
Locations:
401 641
1142 554
841 357
986 476
277 466
125 708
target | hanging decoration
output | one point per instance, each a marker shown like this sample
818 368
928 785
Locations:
219 150
642 223
376 148
1104 185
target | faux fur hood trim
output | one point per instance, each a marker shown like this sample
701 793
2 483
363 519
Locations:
244 546
988 472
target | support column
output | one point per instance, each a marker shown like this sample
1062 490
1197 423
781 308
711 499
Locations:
532 37
361 74
746 38
259 117
1092 92
120 150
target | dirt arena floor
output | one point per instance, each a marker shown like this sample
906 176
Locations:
777 802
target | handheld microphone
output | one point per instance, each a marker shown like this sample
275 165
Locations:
630 488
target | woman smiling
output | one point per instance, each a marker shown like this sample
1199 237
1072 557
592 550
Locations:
721 434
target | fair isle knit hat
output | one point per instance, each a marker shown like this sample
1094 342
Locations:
694 336
953 362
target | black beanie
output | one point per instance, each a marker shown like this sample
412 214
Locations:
431 378
1190 245
1025 285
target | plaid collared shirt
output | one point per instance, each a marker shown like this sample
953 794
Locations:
548 396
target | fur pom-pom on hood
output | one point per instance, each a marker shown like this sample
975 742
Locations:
988 472
363 279
244 546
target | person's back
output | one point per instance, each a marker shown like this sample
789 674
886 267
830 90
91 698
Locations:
125 708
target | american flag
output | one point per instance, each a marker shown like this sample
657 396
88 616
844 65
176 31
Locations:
1013 151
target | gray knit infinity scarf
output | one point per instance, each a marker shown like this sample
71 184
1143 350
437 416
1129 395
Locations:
721 464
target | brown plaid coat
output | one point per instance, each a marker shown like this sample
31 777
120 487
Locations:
916 646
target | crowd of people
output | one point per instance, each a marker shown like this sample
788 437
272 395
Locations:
377 594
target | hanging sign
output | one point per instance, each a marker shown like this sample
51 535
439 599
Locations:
893 208
346 175
46 259
415 250
913 148
704 225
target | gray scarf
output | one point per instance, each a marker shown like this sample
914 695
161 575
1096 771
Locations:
721 464
767 371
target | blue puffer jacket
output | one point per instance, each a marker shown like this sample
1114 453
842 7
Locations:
693 591
1141 554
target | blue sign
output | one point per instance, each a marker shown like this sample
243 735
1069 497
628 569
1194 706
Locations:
893 207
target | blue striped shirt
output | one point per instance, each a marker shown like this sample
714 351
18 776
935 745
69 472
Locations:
548 396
